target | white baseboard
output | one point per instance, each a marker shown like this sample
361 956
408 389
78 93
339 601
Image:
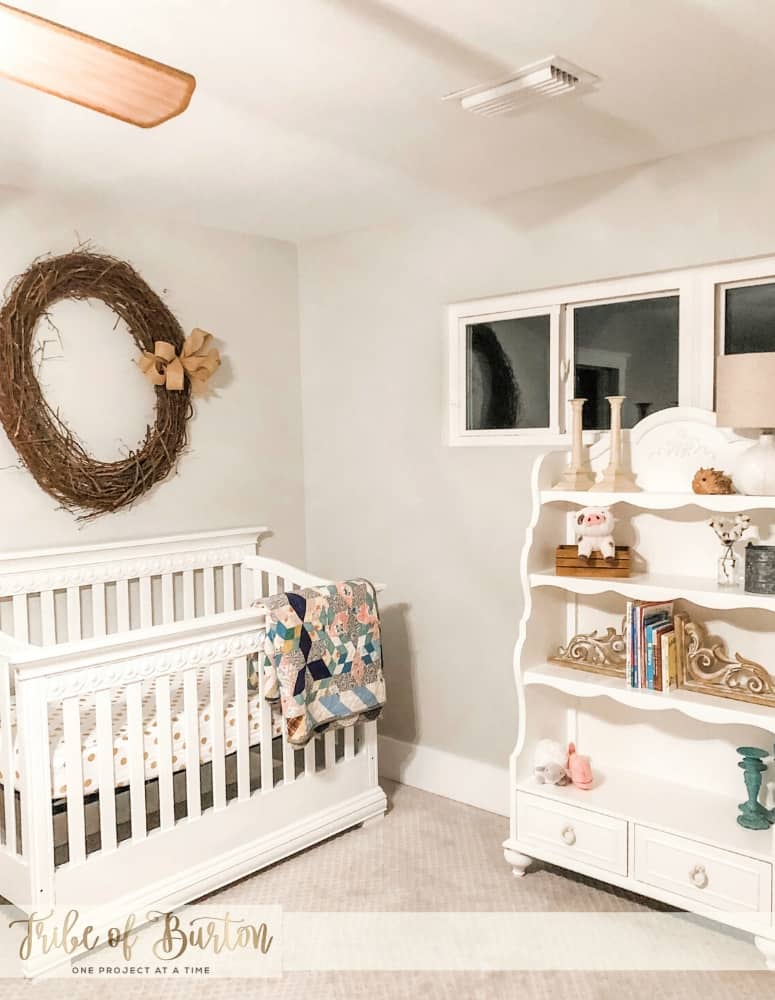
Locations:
460 778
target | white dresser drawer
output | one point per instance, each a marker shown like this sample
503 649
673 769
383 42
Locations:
707 875
588 837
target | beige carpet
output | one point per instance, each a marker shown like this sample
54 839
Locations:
428 854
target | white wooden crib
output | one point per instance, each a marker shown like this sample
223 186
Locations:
137 769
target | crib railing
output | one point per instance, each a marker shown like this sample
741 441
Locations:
119 673
57 819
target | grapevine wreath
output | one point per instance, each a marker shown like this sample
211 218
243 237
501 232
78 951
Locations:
48 448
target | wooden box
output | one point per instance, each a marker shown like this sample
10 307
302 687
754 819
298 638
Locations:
569 563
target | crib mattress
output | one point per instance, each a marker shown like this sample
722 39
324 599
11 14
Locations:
150 733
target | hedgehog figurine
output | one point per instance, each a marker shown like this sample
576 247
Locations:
712 481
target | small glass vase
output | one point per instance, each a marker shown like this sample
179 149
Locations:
728 570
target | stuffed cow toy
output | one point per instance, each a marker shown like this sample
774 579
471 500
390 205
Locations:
550 763
594 527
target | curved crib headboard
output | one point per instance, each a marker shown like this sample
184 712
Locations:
62 595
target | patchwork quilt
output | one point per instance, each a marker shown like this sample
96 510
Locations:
323 657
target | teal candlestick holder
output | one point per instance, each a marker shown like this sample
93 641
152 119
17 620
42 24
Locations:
753 815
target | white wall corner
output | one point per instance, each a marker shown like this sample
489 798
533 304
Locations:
460 778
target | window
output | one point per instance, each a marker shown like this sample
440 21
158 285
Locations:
504 373
626 348
749 318
515 360
507 373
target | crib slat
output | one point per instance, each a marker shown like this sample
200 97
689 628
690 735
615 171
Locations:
105 771
265 732
272 584
167 599
98 609
289 760
164 734
330 744
7 762
146 602
73 614
122 605
76 827
21 625
189 603
309 758
349 743
250 585
191 710
134 721
228 588
209 590
219 763
243 737
48 624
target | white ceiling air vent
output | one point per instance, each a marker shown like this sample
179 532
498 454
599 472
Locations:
530 85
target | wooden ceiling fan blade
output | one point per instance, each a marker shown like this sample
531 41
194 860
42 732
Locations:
87 71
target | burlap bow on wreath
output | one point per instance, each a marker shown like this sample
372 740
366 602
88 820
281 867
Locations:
198 360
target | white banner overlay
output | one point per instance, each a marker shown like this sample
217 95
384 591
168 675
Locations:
214 940
513 941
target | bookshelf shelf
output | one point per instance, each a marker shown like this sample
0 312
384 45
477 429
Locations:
680 809
659 587
721 503
703 707
664 803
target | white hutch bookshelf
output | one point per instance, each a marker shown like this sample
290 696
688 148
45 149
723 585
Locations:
661 817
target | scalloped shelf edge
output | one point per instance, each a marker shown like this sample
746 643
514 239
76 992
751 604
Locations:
723 503
702 707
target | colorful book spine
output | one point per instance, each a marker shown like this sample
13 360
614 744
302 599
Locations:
670 659
649 634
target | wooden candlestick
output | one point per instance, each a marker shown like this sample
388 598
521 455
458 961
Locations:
615 479
577 476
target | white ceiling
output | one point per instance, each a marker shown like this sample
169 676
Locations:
319 116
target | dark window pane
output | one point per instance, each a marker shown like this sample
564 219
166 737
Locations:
626 349
749 319
507 374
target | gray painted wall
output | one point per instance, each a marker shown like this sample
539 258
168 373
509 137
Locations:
443 527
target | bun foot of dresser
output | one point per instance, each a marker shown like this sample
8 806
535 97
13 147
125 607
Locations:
519 862
767 947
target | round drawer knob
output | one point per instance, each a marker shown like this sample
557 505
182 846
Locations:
698 876
569 835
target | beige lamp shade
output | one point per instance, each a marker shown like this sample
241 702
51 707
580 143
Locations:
745 390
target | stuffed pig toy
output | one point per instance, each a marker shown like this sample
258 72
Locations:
579 768
594 528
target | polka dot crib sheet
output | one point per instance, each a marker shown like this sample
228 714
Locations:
150 732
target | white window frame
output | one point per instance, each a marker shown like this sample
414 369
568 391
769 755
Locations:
720 290
459 377
700 330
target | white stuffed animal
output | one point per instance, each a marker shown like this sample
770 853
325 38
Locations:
594 527
550 763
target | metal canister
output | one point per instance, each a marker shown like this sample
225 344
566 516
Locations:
760 569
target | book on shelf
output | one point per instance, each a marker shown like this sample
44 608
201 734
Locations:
650 650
